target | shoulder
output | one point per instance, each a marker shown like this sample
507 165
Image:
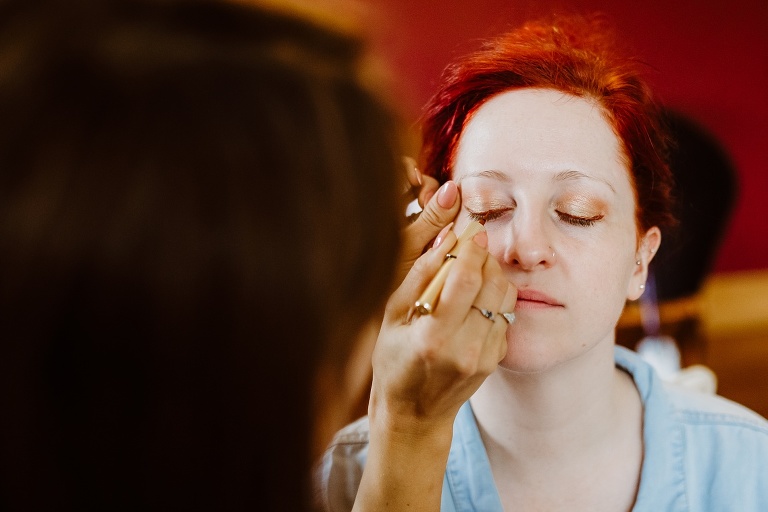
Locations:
340 470
707 417
723 450
695 408
704 449
685 405
718 431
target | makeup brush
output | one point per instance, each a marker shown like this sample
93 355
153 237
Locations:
428 301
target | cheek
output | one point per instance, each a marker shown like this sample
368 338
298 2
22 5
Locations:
499 238
602 256
605 276
597 301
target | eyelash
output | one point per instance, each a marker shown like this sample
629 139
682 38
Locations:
486 216
578 221
568 219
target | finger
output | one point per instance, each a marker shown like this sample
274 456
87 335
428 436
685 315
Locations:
483 317
429 186
440 211
412 173
463 282
419 186
419 276
492 292
498 336
508 304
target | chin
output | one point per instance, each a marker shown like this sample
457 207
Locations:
533 356
527 359
528 366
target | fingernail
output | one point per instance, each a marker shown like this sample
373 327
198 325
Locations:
481 239
441 236
411 169
447 194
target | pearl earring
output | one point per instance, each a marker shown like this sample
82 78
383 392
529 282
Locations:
642 286
637 262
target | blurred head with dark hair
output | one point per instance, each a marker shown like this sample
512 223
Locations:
707 188
197 212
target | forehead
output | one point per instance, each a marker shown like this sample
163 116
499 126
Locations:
533 130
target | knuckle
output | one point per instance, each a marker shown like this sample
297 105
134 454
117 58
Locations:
467 280
431 345
467 366
426 265
430 219
420 265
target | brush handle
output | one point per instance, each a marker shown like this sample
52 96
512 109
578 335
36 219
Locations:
428 300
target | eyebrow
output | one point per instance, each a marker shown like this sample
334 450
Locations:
494 175
561 176
577 175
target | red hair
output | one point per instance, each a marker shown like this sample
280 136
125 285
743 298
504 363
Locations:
577 56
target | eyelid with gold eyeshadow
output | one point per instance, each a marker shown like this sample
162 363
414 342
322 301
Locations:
577 211
579 221
580 211
489 215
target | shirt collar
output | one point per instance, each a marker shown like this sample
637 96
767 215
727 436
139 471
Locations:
469 484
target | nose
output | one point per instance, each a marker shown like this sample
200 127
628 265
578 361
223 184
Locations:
526 244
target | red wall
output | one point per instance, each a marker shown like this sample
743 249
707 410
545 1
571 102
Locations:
710 57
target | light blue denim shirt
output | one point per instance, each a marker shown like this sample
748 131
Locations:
702 453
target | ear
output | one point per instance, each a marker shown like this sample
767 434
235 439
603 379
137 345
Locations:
646 250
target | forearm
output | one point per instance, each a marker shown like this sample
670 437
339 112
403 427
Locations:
405 467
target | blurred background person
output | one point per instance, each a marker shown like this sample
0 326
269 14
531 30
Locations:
199 211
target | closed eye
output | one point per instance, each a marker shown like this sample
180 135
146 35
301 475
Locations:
487 216
578 221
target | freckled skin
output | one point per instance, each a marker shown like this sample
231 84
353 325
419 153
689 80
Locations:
539 158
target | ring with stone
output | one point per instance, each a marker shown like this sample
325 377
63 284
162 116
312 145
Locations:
508 316
487 313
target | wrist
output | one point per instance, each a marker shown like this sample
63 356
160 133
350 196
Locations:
415 431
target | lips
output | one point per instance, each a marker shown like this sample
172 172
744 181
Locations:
532 299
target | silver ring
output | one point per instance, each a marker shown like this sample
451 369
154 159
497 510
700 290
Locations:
450 256
509 317
487 313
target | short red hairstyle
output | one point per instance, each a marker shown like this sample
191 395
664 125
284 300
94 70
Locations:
575 55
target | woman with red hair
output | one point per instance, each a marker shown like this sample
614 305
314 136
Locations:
555 143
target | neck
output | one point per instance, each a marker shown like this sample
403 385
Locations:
572 410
